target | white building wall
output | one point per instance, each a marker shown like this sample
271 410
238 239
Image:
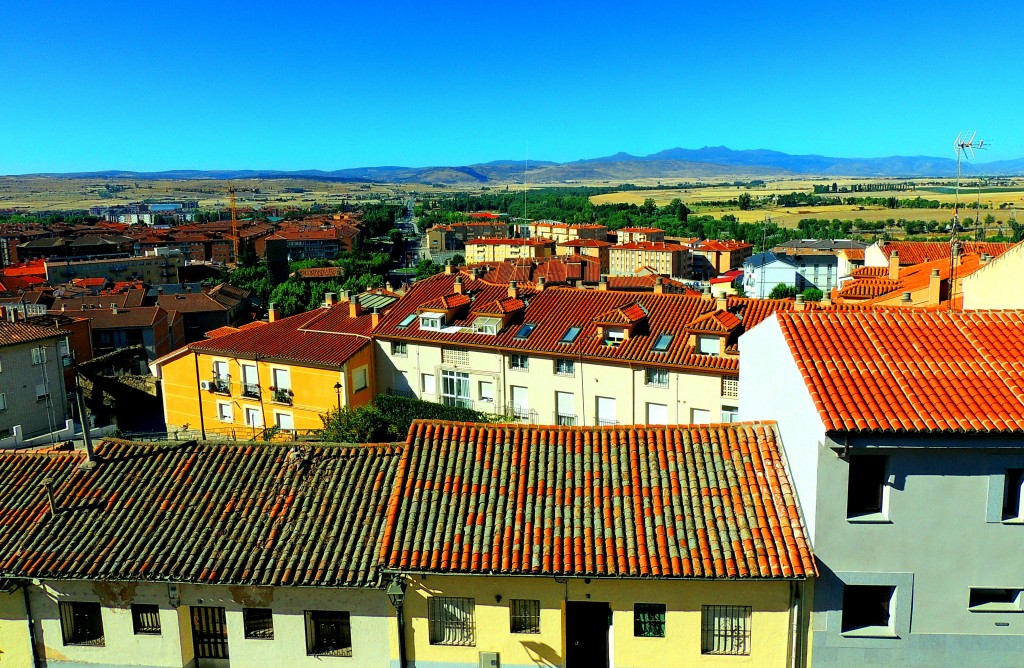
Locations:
997 285
874 256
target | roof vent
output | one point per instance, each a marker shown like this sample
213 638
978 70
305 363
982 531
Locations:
905 298
47 485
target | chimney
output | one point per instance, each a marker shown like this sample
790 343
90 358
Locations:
113 309
448 268
799 304
272 313
906 298
541 283
659 286
458 285
330 299
47 485
603 285
934 288
956 255
894 265
513 290
722 301
375 318
354 308
706 292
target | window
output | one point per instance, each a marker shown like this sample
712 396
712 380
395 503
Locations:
699 416
614 337
731 388
524 615
250 381
570 335
487 391
486 325
452 621
399 348
39 355
284 421
407 320
455 356
565 367
708 345
41 393
866 491
359 380
328 633
429 384
519 362
3 401
81 624
224 412
995 600
1013 491
281 379
725 629
657 413
565 411
656 377
649 620
258 623
730 414
253 418
146 619
455 389
662 343
867 608
526 330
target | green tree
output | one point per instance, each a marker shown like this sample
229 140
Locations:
746 202
782 291
813 295
427 268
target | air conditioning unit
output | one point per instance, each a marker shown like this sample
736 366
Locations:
490 660
205 385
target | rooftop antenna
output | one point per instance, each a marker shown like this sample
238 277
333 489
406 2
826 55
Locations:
965 145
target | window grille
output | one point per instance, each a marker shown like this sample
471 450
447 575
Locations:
455 356
146 619
725 629
328 633
81 624
656 377
258 623
399 348
564 367
518 361
452 621
731 388
524 615
649 620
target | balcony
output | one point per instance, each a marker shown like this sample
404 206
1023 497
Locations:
250 391
566 420
601 422
220 385
282 395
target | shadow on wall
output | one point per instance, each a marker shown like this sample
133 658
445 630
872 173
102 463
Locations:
542 655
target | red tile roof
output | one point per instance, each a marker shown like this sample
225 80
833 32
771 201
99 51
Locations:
511 242
585 243
18 333
651 246
721 322
196 302
647 282
915 252
719 245
912 369
866 272
707 501
321 272
243 514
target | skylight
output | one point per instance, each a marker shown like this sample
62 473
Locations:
526 330
570 335
407 320
662 343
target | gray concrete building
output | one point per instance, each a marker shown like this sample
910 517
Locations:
904 431
33 399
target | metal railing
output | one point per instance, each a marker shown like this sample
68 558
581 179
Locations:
220 385
566 419
251 391
522 414
395 392
605 423
458 402
282 395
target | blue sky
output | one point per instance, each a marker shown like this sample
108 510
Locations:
292 85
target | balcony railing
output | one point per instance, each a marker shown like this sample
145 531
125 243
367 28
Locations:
251 391
522 414
600 422
395 392
458 402
282 395
565 420
220 385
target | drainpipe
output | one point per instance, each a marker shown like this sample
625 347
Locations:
199 396
798 635
31 627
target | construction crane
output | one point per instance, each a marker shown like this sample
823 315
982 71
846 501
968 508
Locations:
234 220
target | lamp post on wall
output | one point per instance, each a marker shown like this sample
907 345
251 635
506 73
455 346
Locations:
337 391
396 594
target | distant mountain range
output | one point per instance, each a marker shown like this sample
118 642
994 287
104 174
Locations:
710 162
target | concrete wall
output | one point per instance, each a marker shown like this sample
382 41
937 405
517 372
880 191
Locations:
15 645
626 384
372 620
998 285
18 380
681 646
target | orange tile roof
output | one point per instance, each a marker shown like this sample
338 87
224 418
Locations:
719 245
651 246
511 242
700 501
865 272
647 230
915 252
854 254
721 322
911 369
17 333
585 243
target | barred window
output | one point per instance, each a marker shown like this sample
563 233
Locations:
258 623
725 629
452 621
649 620
454 356
519 361
81 624
146 619
564 367
328 633
399 348
731 388
524 615
656 377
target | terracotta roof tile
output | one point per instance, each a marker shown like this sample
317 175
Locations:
17 333
702 501
916 252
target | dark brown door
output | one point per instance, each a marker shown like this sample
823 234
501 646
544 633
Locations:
586 634
209 635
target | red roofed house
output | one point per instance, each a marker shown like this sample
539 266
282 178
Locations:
598 546
498 250
904 432
629 235
562 232
712 257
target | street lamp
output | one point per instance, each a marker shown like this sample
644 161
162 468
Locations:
396 594
337 391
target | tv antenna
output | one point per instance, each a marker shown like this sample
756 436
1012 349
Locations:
965 145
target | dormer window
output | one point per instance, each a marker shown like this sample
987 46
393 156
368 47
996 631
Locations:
614 336
708 345
432 321
486 325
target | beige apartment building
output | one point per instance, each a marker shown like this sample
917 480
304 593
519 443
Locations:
562 232
160 266
561 355
499 250
586 247
629 235
672 260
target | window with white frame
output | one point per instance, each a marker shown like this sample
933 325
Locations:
429 383
455 389
253 418
614 336
224 412
432 321
725 629
657 413
452 621
700 416
656 377
284 421
487 391
400 348
730 388
565 409
518 362
486 325
359 379
730 414
565 367
281 379
708 345
39 355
